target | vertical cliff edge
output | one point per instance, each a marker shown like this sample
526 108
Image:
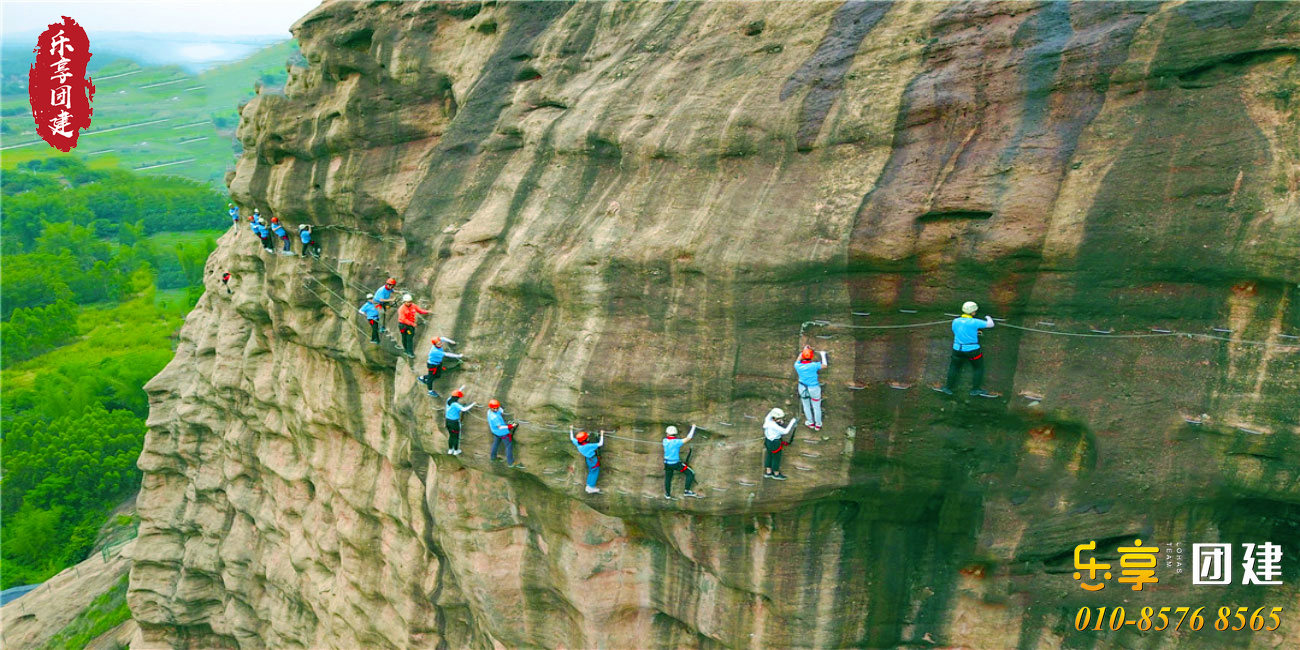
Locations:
630 215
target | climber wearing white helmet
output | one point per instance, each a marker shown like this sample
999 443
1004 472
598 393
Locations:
966 348
774 432
406 317
673 462
309 244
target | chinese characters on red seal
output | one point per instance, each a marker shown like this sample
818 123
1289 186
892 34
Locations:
58 89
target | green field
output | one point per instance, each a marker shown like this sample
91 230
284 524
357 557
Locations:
155 120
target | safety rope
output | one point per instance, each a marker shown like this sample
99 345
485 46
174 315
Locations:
1090 334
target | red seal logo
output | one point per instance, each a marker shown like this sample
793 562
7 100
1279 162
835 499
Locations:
57 86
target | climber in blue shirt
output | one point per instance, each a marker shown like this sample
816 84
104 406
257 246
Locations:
810 390
434 365
234 213
309 244
263 231
588 451
370 309
384 296
503 433
282 234
966 349
673 462
452 420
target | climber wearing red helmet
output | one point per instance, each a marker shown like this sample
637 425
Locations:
503 433
384 296
282 234
434 365
452 420
810 390
589 451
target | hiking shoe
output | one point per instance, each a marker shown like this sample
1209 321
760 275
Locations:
981 393
669 497
451 452
941 389
689 493
375 341
433 393
593 490
767 476
423 379
409 355
816 427
780 477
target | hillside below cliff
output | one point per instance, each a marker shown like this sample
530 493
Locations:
632 215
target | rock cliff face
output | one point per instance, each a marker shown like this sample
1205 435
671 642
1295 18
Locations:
624 213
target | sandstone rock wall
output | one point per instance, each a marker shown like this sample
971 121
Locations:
624 212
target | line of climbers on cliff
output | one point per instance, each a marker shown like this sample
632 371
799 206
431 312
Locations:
263 230
778 433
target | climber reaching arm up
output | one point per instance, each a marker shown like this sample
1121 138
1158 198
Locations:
690 434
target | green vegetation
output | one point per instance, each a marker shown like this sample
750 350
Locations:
155 119
106 612
93 292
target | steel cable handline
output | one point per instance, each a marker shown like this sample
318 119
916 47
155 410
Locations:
1099 335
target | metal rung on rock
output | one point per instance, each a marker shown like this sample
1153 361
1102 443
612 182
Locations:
861 313
803 469
747 483
907 311
1033 397
855 386
810 454
898 385
1109 331
1046 323
1157 330
1222 330
1246 429
1193 420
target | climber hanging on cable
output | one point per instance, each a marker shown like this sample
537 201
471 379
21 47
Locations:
452 420
434 362
810 390
370 309
774 432
384 296
282 234
234 213
407 315
674 464
589 451
225 281
503 433
966 349
309 244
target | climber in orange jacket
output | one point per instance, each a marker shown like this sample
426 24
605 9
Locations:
406 317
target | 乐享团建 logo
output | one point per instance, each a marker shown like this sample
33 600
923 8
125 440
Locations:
57 87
